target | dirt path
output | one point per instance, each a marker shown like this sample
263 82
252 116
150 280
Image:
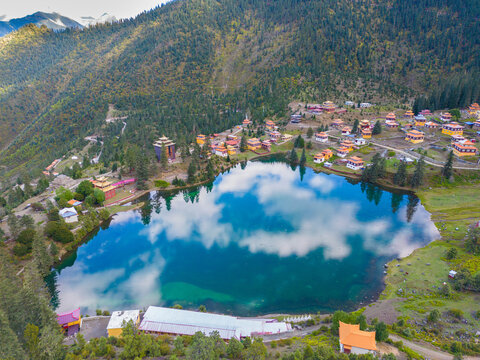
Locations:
427 350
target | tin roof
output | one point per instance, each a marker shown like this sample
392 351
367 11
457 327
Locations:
118 317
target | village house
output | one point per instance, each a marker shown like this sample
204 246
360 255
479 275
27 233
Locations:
337 123
474 109
201 139
415 136
270 125
321 137
365 105
266 145
360 141
355 163
318 158
446 117
74 202
346 130
343 151
457 138
295 118
364 124
355 341
275 135
391 124
409 114
71 322
220 151
69 215
367 133
466 148
348 144
390 117
119 318
167 144
452 129
420 120
426 112
327 154
233 143
476 124
431 125
287 137
328 107
254 144
246 122
160 320
349 103
231 150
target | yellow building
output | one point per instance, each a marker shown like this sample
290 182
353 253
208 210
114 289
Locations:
452 129
391 117
231 150
201 139
254 144
328 106
327 154
270 125
465 148
366 133
409 114
415 136
119 319
348 144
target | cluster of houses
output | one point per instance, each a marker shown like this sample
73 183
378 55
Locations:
161 320
327 107
49 170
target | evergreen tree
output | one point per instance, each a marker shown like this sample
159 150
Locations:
163 158
355 126
418 175
377 128
400 177
142 171
299 142
293 157
11 348
243 144
210 169
191 172
41 255
303 158
448 168
309 133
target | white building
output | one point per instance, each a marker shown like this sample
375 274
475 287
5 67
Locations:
162 320
69 215
360 141
365 105
349 103
119 318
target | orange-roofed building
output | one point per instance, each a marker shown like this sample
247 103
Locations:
364 124
477 124
348 144
231 150
409 114
201 139
319 158
328 106
366 133
275 135
355 341
246 122
321 137
355 163
472 109
391 117
452 129
254 144
446 117
221 151
415 136
391 124
338 123
343 151
431 125
346 130
270 125
465 148
327 154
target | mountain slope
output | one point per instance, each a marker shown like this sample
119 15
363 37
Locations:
52 21
195 65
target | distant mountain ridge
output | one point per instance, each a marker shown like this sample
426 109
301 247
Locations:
52 21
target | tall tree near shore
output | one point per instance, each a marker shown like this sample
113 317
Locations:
419 173
448 168
191 172
377 128
303 158
400 177
293 157
243 144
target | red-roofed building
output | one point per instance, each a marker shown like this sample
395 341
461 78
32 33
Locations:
355 341
70 321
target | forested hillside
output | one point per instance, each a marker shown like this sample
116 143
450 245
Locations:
199 65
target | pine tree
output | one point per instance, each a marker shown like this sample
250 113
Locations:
210 170
243 144
309 133
400 177
303 158
163 158
293 157
355 126
41 256
142 171
191 172
377 128
418 175
10 348
447 169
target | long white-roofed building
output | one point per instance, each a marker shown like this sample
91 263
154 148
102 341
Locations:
163 320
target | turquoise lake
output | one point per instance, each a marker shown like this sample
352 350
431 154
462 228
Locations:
262 238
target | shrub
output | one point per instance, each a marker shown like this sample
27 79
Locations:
21 249
59 232
451 253
456 313
433 316
273 344
161 183
36 206
98 312
178 182
106 313
26 237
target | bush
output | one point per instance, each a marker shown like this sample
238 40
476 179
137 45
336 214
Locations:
104 214
26 237
161 183
433 316
456 313
21 249
98 312
36 206
451 253
59 232
178 182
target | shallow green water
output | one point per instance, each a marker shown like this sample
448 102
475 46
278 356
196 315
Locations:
262 239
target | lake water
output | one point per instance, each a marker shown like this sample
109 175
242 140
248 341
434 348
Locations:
261 239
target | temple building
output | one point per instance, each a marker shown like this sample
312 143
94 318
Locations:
415 136
338 123
327 154
201 139
474 109
105 185
254 144
391 124
70 322
342 151
409 114
431 125
446 117
119 318
346 130
348 144
391 117
364 124
270 125
167 144
452 129
328 107
318 158
355 163
366 133
464 148
420 120
246 122
321 137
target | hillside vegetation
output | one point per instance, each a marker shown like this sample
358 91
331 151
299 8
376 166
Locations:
198 65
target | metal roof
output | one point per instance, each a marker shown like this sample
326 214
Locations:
118 317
